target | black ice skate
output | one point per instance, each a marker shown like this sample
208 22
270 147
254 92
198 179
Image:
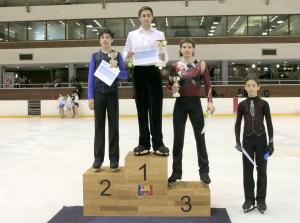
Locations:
173 178
248 206
205 178
97 165
261 206
140 150
161 150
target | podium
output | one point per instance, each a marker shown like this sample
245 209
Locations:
141 189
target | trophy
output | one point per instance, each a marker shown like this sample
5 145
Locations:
113 58
176 80
161 48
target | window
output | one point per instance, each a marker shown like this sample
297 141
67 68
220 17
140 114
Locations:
92 27
117 26
56 30
175 27
75 29
131 24
36 30
278 25
17 31
196 26
295 24
3 31
237 26
258 25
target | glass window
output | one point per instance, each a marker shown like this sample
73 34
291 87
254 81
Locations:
196 26
36 30
216 25
175 27
92 27
3 31
117 26
160 23
17 31
278 25
237 26
295 24
131 24
56 30
75 29
258 25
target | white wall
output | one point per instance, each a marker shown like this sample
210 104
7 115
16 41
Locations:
206 51
129 9
224 106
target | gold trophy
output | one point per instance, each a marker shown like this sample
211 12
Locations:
161 48
176 80
113 58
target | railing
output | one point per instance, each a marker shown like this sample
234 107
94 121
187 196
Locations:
130 84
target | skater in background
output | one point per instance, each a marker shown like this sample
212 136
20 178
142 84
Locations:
75 103
254 110
188 104
61 104
103 98
69 106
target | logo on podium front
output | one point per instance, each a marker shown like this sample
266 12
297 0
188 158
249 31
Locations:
145 190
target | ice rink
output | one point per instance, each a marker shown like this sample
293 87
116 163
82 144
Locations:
42 161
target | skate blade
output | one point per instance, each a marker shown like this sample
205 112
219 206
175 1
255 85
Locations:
250 209
160 153
145 152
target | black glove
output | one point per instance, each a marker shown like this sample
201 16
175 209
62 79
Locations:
270 148
238 146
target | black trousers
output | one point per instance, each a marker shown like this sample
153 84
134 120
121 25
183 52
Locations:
184 107
148 99
109 103
255 147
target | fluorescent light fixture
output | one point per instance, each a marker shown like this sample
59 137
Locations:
264 33
94 30
273 19
153 24
133 24
29 28
253 65
210 34
202 20
280 21
216 23
89 26
213 27
233 24
98 24
167 23
277 65
212 30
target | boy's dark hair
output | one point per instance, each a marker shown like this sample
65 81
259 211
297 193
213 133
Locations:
107 31
252 77
186 40
144 8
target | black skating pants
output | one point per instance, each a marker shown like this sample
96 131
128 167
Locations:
106 103
148 99
184 107
255 147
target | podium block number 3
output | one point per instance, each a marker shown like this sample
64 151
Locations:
188 206
104 192
145 171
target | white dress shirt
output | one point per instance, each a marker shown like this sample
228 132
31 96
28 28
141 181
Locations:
140 39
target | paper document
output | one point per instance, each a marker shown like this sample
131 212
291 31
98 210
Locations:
106 73
145 57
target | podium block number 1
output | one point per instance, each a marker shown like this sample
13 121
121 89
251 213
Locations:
145 171
104 192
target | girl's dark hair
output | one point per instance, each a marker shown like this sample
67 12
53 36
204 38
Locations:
252 77
186 40
107 31
144 8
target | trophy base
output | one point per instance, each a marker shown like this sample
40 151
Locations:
176 95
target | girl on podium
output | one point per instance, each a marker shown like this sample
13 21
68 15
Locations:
103 98
185 82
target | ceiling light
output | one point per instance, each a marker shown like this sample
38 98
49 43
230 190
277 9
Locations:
216 23
280 21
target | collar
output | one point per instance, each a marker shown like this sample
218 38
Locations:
141 30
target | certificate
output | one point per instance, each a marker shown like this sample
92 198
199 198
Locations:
106 73
145 57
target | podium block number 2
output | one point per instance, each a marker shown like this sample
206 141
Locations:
145 171
105 192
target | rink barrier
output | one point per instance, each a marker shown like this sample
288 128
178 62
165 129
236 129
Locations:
127 108
140 188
